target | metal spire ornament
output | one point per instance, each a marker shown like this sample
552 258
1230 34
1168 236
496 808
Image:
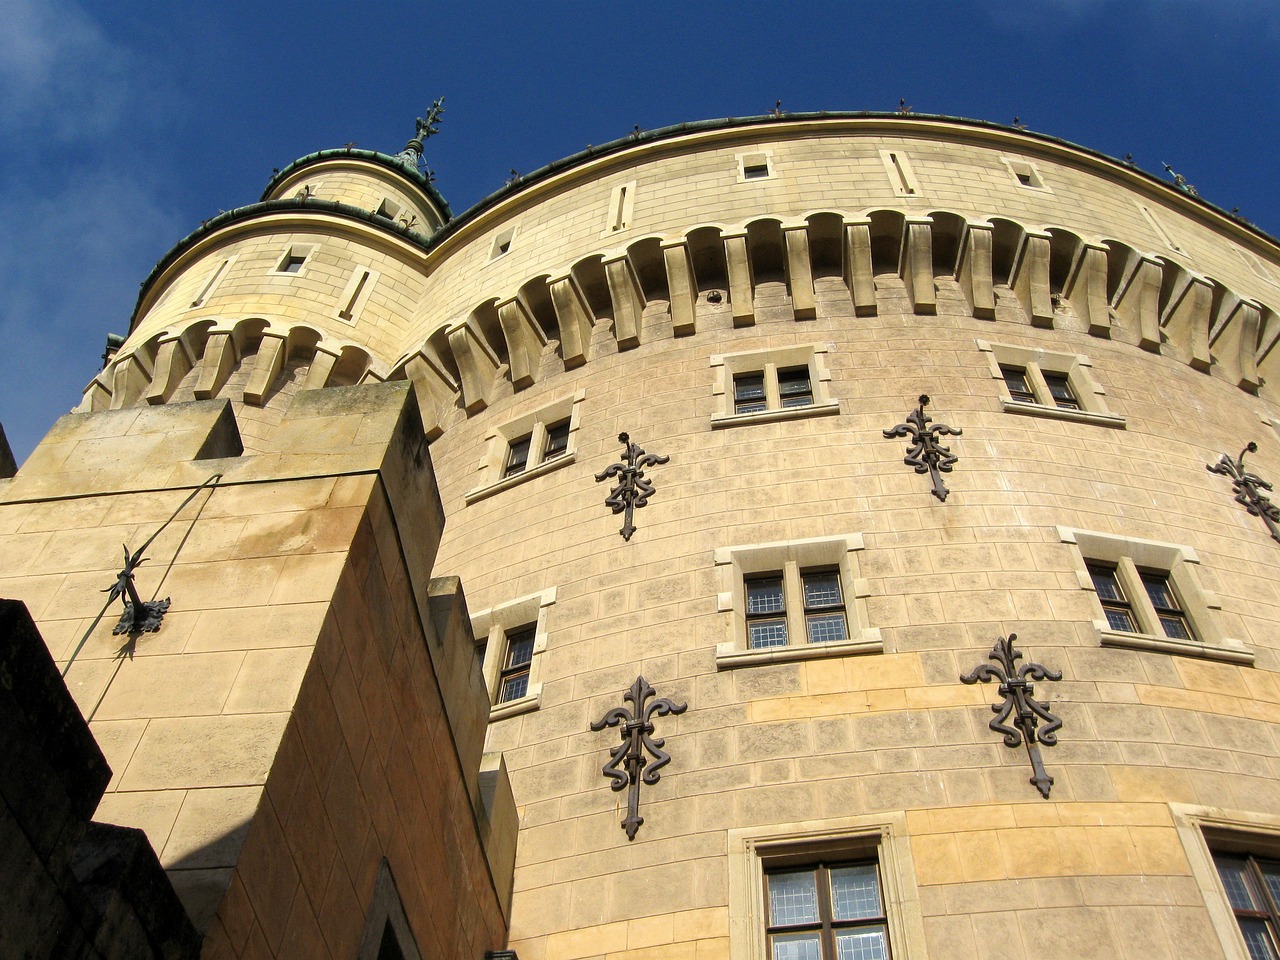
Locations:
632 490
637 730
925 453
1016 687
427 127
1248 488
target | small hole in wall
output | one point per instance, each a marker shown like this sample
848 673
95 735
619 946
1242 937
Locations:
502 243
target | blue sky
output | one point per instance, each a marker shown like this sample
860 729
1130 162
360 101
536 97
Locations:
127 123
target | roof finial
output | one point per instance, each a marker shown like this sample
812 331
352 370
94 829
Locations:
427 127
1180 182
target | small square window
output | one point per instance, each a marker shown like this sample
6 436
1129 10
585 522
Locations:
1039 383
1158 605
754 166
1025 173
293 260
772 385
502 243
388 209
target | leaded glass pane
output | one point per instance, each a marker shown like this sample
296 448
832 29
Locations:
796 946
793 898
1232 873
865 943
826 627
1175 627
764 596
519 649
1120 620
1158 590
1271 874
855 892
762 634
821 590
794 387
1257 938
748 393
1060 390
1104 582
513 688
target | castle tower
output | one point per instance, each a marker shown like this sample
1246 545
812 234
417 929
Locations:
1070 354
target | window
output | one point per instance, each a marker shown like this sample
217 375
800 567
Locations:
901 177
211 284
1252 886
791 601
1043 384
771 385
1150 598
388 209
528 447
755 166
1025 173
835 889
387 934
826 912
293 260
356 294
621 204
502 243
510 641
513 682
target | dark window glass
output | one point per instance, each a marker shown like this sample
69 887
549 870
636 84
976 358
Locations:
1015 379
826 913
1114 603
514 680
517 456
557 440
823 606
1060 390
1252 886
794 387
748 392
1173 621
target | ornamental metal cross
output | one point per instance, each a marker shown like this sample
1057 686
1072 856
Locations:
1248 487
632 490
140 616
636 732
426 127
925 453
1016 687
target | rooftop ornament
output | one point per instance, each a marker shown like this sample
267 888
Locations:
1180 182
1248 488
632 489
925 453
428 126
636 722
1016 688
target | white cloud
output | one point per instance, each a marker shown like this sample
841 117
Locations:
60 74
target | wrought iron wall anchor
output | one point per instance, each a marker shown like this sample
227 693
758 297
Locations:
1248 488
140 616
925 453
636 732
1016 687
632 489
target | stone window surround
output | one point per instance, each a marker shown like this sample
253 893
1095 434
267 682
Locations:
1179 562
493 624
1227 830
1077 368
882 836
755 158
1019 167
727 365
303 250
897 167
737 563
498 442
356 293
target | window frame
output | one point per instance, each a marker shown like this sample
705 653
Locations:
1130 558
493 628
882 837
494 465
791 561
730 368
1206 830
827 925
1038 367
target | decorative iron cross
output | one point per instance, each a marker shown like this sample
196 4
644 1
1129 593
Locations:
925 453
140 616
1016 687
632 489
1248 487
636 732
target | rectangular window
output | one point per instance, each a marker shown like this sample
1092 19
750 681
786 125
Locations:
824 617
1168 610
293 260
214 279
557 440
1043 384
1252 886
794 387
823 608
513 682
518 456
754 166
766 613
768 385
1114 603
826 912
748 393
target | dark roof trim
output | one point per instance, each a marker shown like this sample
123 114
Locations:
408 171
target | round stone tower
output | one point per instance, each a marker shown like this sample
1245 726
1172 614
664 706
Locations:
669 386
